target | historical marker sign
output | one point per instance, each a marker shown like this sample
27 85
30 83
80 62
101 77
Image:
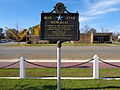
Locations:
59 25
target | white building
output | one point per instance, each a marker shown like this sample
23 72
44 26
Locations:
118 36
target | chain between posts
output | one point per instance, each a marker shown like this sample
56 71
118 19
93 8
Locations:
61 67
9 65
109 63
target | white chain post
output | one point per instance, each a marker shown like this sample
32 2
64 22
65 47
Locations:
96 67
22 67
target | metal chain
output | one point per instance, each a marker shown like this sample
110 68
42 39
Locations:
78 64
9 65
109 63
62 67
39 65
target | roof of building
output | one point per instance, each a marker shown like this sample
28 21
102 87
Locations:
101 34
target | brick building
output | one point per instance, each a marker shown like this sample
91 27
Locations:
84 38
34 39
94 38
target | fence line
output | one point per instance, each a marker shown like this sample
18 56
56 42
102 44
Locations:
61 67
109 63
22 67
96 67
9 65
95 60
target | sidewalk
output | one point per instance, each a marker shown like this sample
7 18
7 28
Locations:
65 63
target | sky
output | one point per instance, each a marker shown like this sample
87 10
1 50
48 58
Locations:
94 13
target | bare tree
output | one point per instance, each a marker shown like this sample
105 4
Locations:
85 29
104 30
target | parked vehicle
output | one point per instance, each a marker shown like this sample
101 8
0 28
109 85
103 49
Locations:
10 40
2 41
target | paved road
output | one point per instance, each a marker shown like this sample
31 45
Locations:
12 43
80 53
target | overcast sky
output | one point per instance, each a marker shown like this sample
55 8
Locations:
94 13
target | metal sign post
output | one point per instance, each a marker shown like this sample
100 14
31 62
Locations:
59 25
59 65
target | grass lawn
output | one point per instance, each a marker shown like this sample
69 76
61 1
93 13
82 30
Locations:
39 84
66 72
65 44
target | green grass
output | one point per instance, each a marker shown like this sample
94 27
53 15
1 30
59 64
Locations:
64 44
78 44
30 45
39 84
66 72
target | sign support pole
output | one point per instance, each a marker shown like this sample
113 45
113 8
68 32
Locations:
59 65
59 25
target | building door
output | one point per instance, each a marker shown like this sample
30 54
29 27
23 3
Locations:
101 39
